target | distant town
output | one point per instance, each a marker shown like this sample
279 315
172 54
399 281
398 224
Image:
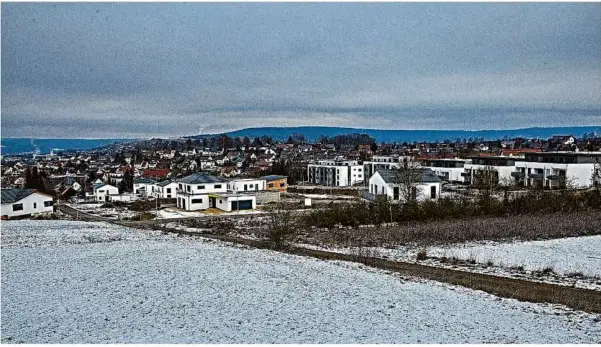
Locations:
239 173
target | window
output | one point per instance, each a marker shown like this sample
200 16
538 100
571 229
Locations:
35 205
101 191
220 201
197 201
180 186
433 192
251 185
48 203
270 185
17 207
168 190
217 186
200 187
188 188
282 184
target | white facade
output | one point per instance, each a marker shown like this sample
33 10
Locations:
103 193
35 203
193 202
246 185
195 196
168 191
449 170
503 172
556 169
423 191
145 189
227 202
576 175
336 174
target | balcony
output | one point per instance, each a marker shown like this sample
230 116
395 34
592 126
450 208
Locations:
518 174
536 176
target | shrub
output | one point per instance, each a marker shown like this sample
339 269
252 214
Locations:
422 255
281 227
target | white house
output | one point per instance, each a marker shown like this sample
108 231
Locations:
193 191
145 187
24 202
246 184
103 192
559 169
385 182
167 189
335 173
382 162
200 192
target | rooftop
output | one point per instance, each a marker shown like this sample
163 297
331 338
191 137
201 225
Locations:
144 180
427 176
201 178
13 195
273 177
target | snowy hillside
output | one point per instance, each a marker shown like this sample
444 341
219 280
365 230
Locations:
75 282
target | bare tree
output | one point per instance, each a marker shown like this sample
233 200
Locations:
486 180
596 176
407 176
281 227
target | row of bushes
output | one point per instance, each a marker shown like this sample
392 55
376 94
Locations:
383 211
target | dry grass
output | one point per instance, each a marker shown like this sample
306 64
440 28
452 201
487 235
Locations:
520 227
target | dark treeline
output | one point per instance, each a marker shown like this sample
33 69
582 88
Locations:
34 179
351 140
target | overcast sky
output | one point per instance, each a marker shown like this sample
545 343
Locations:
97 70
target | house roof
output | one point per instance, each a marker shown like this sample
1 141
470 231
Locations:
427 176
155 173
201 178
13 195
273 177
144 180
165 183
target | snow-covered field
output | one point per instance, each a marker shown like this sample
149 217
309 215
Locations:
77 282
564 256
525 259
107 212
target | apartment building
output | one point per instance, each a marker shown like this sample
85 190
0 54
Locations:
335 173
449 170
499 168
559 169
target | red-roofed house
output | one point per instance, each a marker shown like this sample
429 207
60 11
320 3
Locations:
156 173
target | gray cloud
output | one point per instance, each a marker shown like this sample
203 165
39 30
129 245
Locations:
119 69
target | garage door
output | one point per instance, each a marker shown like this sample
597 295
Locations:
242 205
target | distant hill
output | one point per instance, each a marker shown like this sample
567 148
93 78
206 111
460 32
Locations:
313 133
26 145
